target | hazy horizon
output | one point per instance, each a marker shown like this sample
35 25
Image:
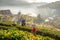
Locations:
25 6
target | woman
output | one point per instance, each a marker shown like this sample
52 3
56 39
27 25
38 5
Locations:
33 28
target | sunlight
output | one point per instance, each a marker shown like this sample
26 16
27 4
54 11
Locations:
48 1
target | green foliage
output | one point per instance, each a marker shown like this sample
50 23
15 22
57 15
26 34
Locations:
20 35
39 19
40 31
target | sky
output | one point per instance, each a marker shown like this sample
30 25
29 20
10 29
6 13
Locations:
31 1
18 5
48 1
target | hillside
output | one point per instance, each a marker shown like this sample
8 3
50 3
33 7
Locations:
6 12
9 30
51 10
52 6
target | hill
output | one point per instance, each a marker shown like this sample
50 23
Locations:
6 12
51 10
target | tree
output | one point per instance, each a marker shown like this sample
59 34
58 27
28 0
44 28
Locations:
23 22
38 19
18 18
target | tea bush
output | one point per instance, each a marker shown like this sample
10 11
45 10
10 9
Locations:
20 35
